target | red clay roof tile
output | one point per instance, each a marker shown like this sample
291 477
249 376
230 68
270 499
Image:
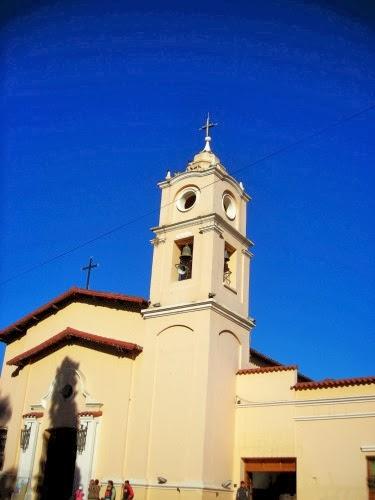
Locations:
266 369
94 414
72 335
74 294
33 414
329 383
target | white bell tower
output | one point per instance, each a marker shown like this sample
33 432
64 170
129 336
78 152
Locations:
197 325
200 245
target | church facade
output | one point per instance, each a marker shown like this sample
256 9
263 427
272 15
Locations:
167 392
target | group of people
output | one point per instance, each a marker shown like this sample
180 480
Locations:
109 493
244 492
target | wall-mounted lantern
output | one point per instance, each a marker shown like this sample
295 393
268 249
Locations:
81 438
25 437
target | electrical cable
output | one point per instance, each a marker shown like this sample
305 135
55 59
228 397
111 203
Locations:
272 154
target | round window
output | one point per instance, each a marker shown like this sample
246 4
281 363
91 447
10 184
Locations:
187 198
229 206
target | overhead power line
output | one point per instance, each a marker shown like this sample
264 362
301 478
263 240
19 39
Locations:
272 154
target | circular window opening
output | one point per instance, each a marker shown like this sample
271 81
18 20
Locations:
187 200
229 206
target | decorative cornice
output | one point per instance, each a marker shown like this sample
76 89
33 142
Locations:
369 448
208 220
247 253
154 312
157 240
211 227
218 172
243 403
337 416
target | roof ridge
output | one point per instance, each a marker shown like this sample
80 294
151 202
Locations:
328 383
266 369
71 333
19 327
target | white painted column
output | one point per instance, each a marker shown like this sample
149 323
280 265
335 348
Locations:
85 459
27 456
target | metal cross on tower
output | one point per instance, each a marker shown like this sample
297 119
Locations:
207 127
88 268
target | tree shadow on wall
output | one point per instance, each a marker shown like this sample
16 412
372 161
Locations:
58 474
8 477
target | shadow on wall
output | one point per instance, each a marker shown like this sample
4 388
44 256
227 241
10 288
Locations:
8 477
58 477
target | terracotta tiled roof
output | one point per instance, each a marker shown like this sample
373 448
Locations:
266 369
74 294
33 414
329 383
261 360
70 335
90 413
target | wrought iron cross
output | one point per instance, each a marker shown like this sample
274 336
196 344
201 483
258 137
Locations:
208 125
88 268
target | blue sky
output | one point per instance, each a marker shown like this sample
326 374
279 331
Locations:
95 98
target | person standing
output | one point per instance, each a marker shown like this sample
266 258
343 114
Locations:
110 492
79 494
250 486
242 492
128 492
94 490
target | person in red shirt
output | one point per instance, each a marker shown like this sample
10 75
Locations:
128 493
79 494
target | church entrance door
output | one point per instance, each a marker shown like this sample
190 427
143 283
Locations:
271 478
58 464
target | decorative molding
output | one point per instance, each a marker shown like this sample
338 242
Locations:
230 333
175 326
247 253
220 173
337 416
157 240
329 401
368 448
308 402
209 220
211 227
81 382
198 306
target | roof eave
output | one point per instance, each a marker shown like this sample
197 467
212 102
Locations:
20 327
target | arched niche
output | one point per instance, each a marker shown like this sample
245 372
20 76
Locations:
171 328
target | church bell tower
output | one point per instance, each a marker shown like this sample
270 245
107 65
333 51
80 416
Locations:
200 245
197 324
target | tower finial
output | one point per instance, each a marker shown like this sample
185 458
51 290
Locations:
207 127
